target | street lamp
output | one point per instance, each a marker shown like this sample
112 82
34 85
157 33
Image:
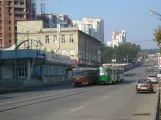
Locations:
155 13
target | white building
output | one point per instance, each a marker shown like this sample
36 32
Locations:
118 38
91 26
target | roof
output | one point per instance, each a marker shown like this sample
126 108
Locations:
84 68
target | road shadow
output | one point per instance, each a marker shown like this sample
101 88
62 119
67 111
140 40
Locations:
146 65
40 89
129 75
147 93
125 82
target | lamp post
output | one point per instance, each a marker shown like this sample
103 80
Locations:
155 13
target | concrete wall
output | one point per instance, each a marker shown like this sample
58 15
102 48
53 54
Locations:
7 72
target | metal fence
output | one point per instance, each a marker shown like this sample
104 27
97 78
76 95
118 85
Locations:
155 114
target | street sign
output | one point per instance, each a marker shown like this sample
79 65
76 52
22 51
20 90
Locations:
113 60
160 62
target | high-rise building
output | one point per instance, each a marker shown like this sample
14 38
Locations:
91 26
12 11
117 38
53 19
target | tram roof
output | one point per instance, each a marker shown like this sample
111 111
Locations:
110 67
84 68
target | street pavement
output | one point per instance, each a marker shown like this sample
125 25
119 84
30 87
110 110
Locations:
98 102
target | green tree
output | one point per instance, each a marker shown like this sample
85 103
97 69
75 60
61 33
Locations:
122 52
107 54
157 35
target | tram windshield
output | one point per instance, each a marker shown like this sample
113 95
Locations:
78 73
102 72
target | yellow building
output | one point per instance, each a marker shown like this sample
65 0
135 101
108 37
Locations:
81 47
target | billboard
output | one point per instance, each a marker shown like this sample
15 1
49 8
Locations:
160 62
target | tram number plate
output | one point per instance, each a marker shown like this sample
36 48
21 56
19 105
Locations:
143 88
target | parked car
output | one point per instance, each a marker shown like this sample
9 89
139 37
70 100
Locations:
144 85
156 66
154 79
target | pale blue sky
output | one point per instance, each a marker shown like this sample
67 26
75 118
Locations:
131 15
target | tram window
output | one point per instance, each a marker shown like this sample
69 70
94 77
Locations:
103 72
77 73
109 71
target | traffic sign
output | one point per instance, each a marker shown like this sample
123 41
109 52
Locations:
113 60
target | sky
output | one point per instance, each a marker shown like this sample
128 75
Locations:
131 15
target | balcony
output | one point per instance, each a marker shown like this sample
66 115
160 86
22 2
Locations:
19 6
19 12
19 18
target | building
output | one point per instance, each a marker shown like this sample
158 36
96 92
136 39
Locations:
54 19
81 47
32 67
118 38
10 12
31 9
82 27
91 26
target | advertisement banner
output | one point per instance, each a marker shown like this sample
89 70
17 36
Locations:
159 62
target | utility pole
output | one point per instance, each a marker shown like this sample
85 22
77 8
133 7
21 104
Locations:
28 40
127 58
85 52
58 37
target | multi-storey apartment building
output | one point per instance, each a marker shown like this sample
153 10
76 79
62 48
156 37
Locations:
81 47
54 19
118 38
12 11
91 26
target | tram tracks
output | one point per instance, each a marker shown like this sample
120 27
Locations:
29 100
46 97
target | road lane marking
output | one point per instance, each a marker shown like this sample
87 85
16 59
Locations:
77 108
105 97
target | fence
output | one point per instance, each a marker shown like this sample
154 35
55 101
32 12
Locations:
155 115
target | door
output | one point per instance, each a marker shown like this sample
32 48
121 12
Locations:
22 72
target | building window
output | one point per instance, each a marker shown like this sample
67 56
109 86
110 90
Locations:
47 38
71 38
54 39
9 41
63 38
71 52
63 52
22 72
9 28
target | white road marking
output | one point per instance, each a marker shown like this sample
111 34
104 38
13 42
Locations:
77 108
105 97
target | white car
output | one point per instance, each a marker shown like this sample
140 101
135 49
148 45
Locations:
156 66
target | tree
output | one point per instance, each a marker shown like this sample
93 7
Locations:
122 52
107 54
157 35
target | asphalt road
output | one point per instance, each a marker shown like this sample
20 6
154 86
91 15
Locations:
99 102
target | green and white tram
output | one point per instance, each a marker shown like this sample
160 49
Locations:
110 75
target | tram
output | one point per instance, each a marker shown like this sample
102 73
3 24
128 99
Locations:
84 75
110 75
